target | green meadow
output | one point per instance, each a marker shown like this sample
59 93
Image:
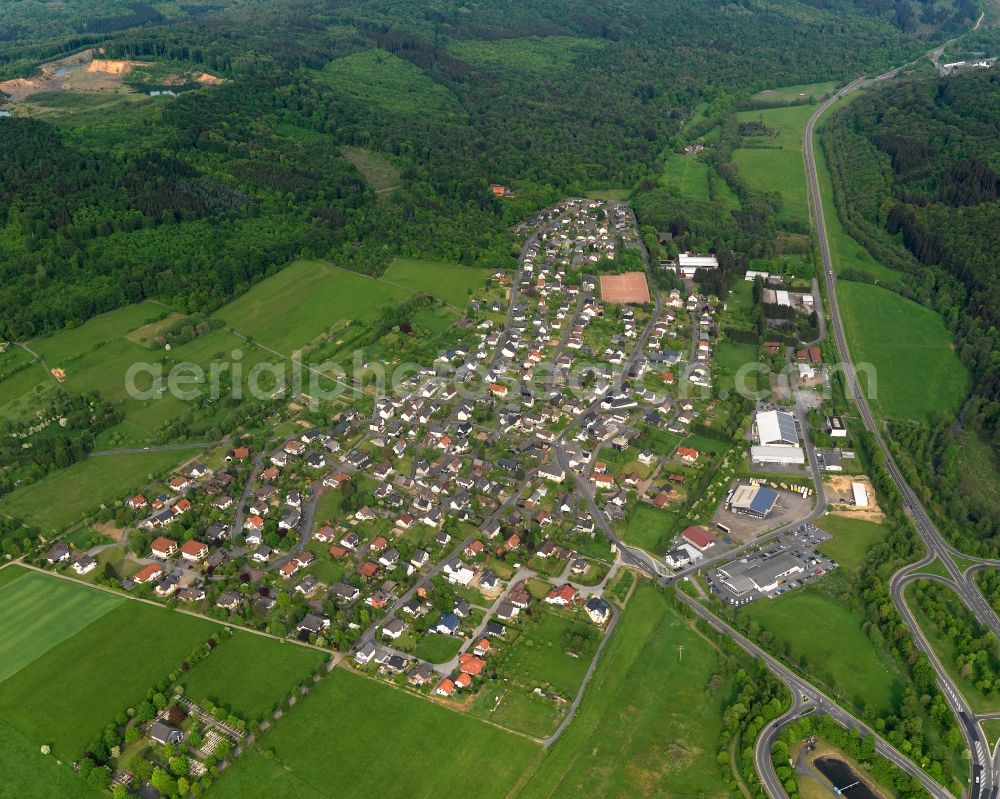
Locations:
79 683
250 674
852 538
423 749
452 283
917 370
842 657
83 487
305 300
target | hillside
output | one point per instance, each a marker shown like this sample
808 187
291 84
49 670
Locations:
917 173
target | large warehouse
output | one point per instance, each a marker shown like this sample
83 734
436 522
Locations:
776 428
774 454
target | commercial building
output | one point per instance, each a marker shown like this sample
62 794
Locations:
785 456
860 494
777 428
753 500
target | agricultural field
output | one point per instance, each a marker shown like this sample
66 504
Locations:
249 674
842 657
851 540
452 283
908 344
320 294
86 485
73 690
426 750
631 737
381 79
35 616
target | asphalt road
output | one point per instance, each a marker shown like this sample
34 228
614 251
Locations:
984 780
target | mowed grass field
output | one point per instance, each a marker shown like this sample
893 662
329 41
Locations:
28 774
304 300
353 737
825 632
72 688
910 348
249 674
62 497
648 725
39 611
851 540
452 283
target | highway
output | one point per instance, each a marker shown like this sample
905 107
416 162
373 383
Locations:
984 780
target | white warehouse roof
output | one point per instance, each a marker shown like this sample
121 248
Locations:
776 428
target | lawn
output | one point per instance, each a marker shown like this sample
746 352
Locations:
353 736
437 648
852 538
916 369
827 637
648 724
81 683
540 655
452 283
650 528
28 774
250 674
39 611
84 486
320 294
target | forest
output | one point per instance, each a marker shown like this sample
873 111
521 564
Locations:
915 171
190 202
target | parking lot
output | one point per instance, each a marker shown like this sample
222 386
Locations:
790 562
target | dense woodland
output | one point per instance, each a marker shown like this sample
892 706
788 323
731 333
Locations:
916 171
191 201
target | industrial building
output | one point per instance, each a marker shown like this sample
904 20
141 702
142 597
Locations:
688 263
777 428
753 500
784 456
860 494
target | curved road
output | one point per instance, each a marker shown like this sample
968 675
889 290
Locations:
984 780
